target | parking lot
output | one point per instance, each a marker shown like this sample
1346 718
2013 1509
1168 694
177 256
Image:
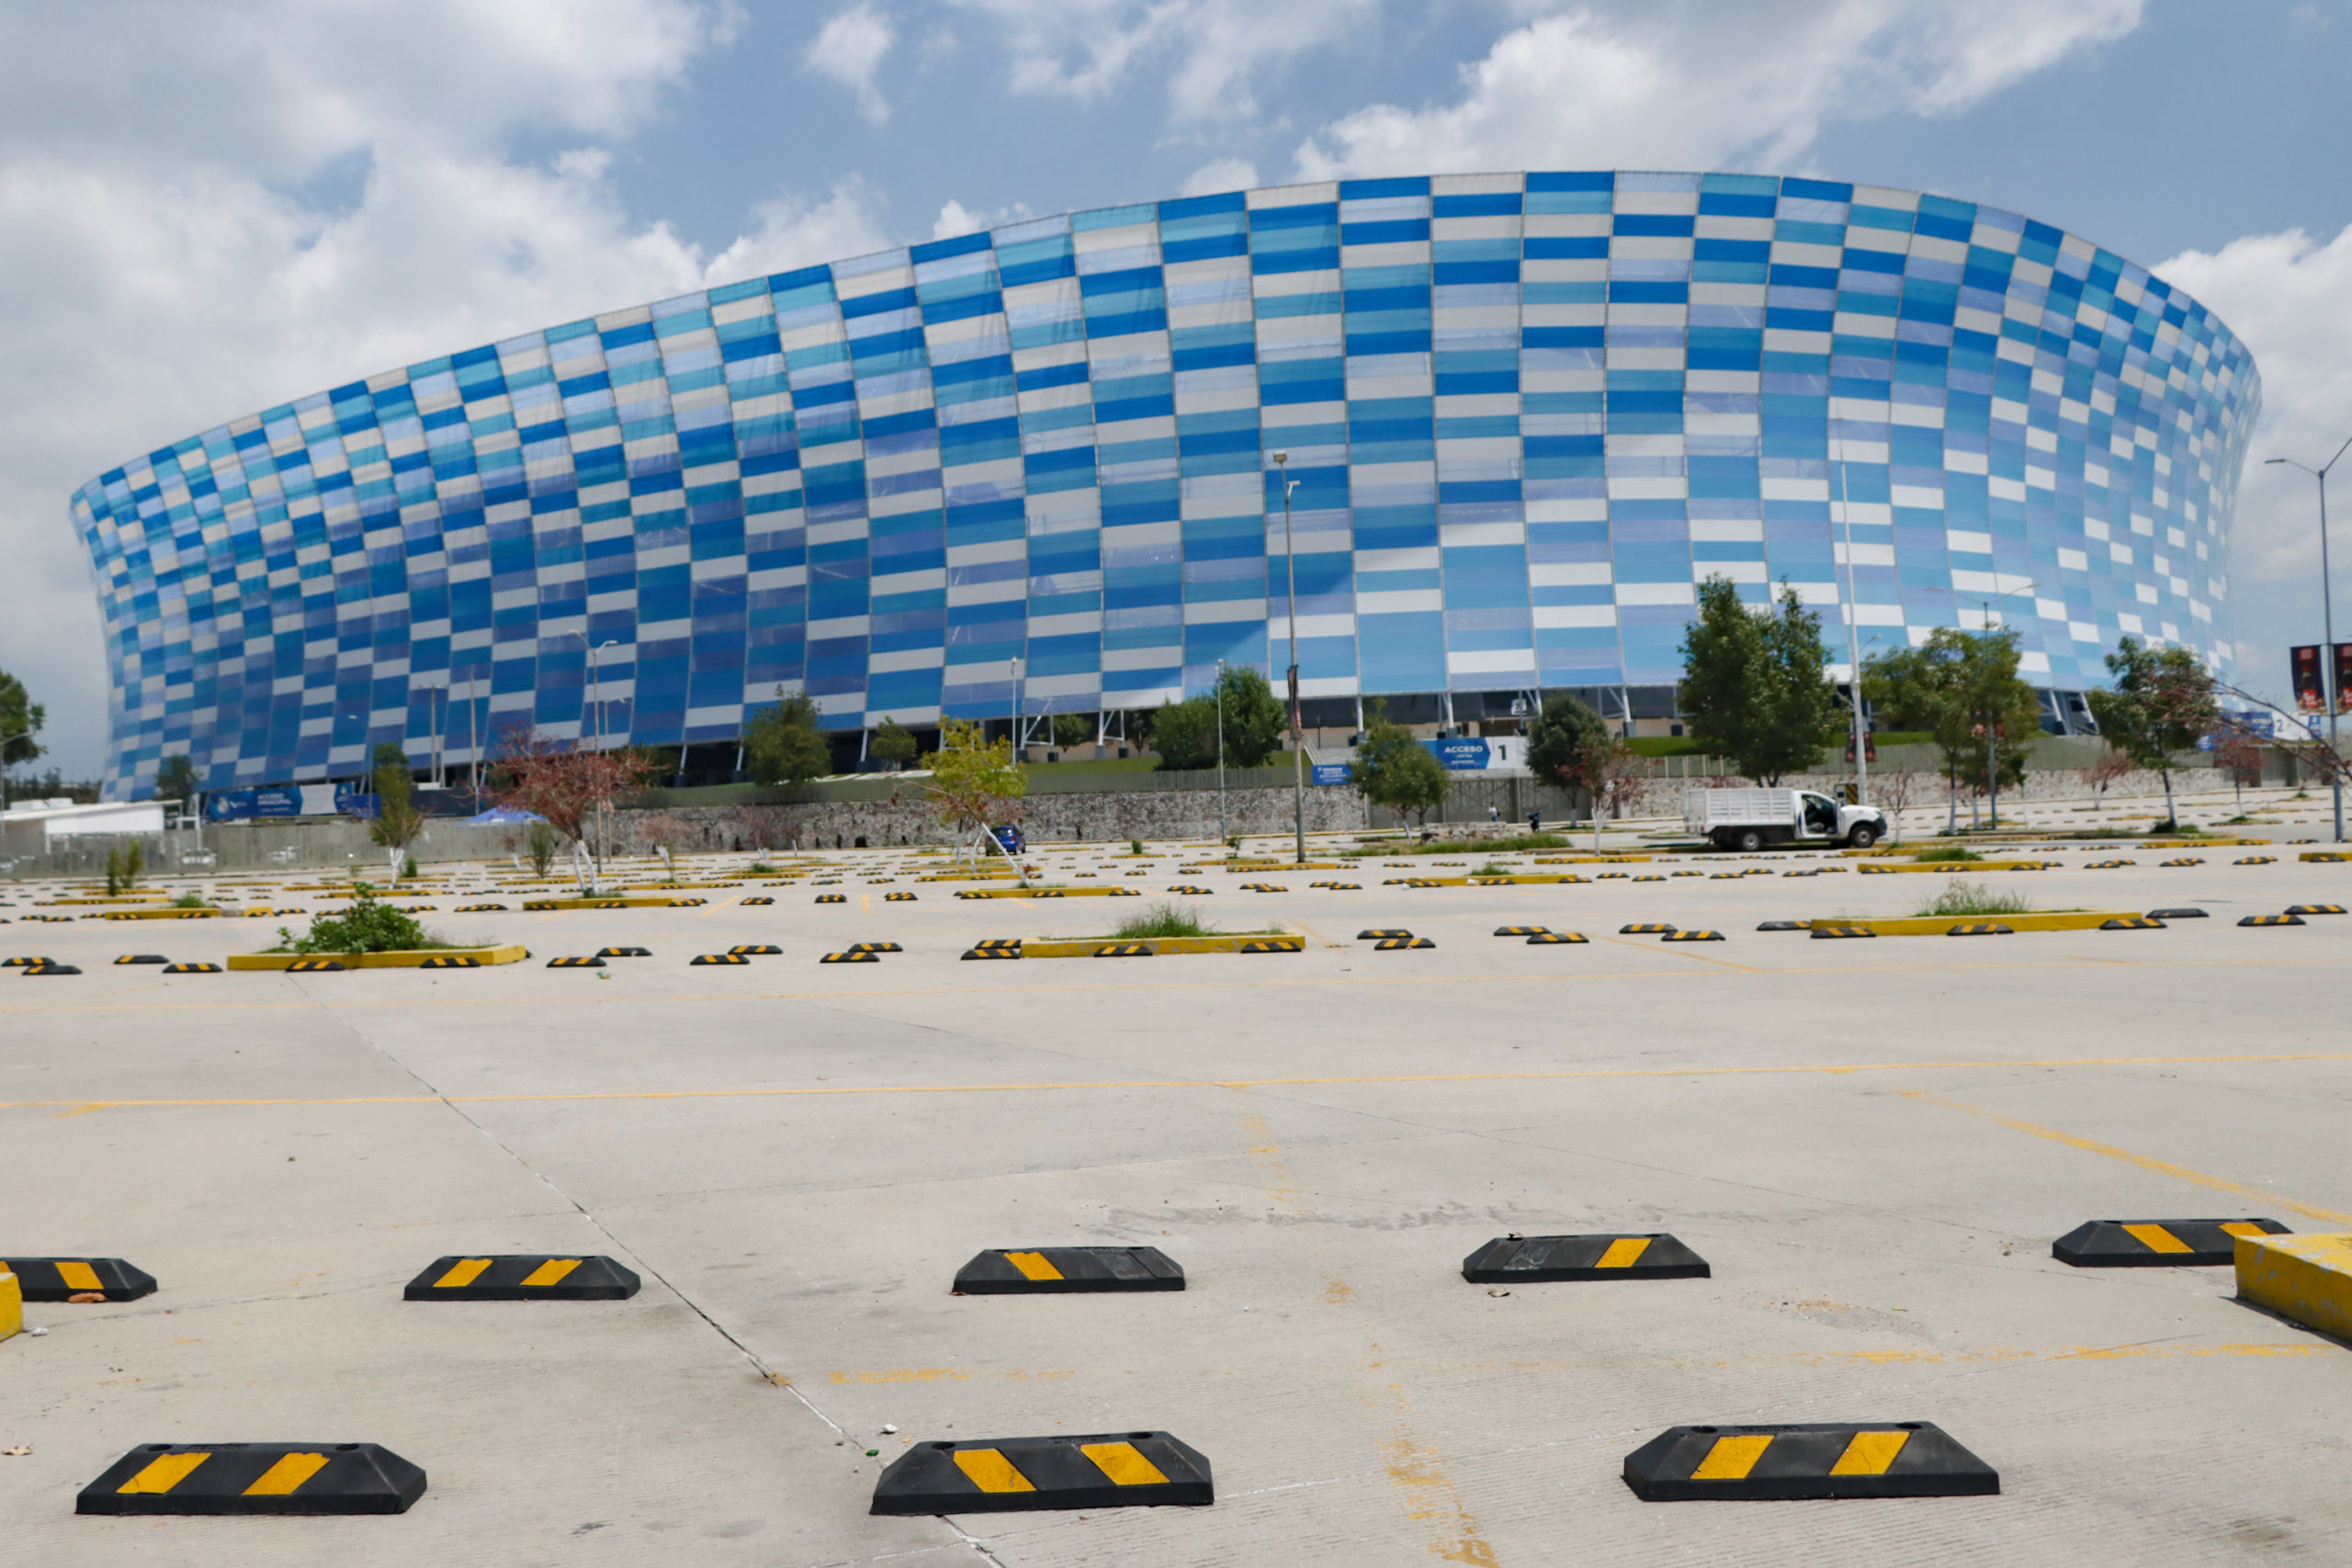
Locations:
1873 1145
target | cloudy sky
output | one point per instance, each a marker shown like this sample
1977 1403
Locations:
207 209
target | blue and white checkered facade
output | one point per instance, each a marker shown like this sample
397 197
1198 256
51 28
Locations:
1525 413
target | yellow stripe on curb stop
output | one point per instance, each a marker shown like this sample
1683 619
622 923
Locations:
551 1272
77 1275
2156 1238
286 1477
990 1471
1124 1463
1732 1458
2244 1227
161 1474
1033 1265
1625 1252
1869 1453
464 1273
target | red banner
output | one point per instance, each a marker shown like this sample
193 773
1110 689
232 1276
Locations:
2343 676
2302 663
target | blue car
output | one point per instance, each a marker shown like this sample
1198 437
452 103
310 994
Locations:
1009 839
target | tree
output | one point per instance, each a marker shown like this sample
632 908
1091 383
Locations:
1754 684
893 742
565 783
1568 745
20 720
2238 755
2162 704
397 820
1962 689
1395 771
1073 729
783 744
1185 733
176 779
2112 766
975 783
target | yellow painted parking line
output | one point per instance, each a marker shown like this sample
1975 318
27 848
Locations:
286 1477
1869 1453
2161 1167
79 1106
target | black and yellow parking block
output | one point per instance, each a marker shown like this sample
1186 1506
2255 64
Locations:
25 963
254 1478
832 897
2256 860
1538 1259
985 952
79 1279
2186 860
701 959
754 902
1841 932
1649 879
1067 1271
1781 925
143 958
2272 920
1813 1460
1116 1470
2183 914
476 910
71 969
2314 908
1980 927
1263 887
1399 944
192 969
988 942
624 953
897 897
1186 887
874 947
1694 935
1521 931
1275 944
852 956
1646 929
2157 1243
1381 933
523 1277
450 960
315 966
1124 950
589 963
2131 923
757 950
1547 938
1344 887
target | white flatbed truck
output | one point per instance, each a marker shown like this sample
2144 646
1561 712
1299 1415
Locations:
1751 820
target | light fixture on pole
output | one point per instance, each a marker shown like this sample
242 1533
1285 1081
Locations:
1298 732
1222 833
2327 623
1853 648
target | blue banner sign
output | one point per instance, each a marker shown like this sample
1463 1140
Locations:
1460 755
1334 772
244 805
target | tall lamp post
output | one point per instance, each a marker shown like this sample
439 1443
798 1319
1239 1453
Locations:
596 691
1223 834
1853 648
2327 623
1992 723
1298 733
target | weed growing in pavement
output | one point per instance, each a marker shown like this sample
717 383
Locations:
1973 898
1161 920
1947 853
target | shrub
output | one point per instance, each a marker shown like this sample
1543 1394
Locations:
191 899
1160 920
366 927
1134 846
1974 899
1948 852
540 844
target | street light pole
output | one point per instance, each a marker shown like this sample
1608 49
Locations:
1298 733
1223 834
2327 622
1853 648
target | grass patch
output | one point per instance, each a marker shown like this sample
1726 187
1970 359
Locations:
1948 852
190 900
1161 920
1973 898
1492 869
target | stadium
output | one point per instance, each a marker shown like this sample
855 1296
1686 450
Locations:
1480 435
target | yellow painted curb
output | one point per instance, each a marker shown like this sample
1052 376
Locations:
1163 946
2306 1277
12 1304
1939 925
410 959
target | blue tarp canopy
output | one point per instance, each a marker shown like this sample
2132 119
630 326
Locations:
502 817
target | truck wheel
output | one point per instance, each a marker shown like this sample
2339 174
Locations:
1862 836
1747 840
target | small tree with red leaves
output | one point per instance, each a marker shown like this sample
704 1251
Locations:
2239 756
571 787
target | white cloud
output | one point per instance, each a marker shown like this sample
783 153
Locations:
1222 175
955 218
2288 299
1677 86
850 48
1210 52
170 266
